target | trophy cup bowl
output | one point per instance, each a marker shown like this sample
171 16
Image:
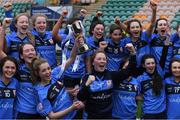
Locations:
77 29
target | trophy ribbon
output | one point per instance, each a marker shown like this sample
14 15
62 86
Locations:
76 63
77 60
64 51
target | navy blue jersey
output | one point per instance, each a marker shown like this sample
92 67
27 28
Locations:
45 47
176 45
80 69
124 99
157 46
115 53
13 43
98 95
152 104
141 46
173 98
94 45
26 101
7 98
99 98
47 102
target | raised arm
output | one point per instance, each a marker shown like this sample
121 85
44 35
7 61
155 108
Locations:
153 6
72 58
83 93
2 42
122 25
127 71
58 25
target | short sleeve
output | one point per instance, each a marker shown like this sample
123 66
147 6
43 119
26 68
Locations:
44 107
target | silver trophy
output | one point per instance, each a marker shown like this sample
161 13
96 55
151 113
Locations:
78 29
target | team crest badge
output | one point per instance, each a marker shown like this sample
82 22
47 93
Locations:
51 41
109 83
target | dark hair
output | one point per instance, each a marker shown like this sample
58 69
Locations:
114 27
156 24
147 56
95 22
174 59
129 24
8 58
21 50
36 62
156 78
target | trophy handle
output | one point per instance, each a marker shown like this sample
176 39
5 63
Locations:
83 29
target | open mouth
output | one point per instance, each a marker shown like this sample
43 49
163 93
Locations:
41 29
24 28
163 31
136 33
31 57
102 66
99 35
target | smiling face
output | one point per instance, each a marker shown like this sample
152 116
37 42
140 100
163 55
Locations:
98 31
22 24
40 24
8 69
45 72
175 69
162 27
149 65
116 35
28 53
135 29
100 62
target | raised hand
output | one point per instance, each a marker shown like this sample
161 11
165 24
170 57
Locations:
79 41
91 78
7 22
64 13
103 45
131 48
7 6
99 14
153 5
117 20
78 105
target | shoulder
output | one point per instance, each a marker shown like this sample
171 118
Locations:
168 80
14 80
10 36
142 77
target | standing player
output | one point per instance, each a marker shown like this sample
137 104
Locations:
8 86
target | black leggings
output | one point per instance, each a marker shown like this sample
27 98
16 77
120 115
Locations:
162 115
21 115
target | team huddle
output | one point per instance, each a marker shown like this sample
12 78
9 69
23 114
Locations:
99 77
